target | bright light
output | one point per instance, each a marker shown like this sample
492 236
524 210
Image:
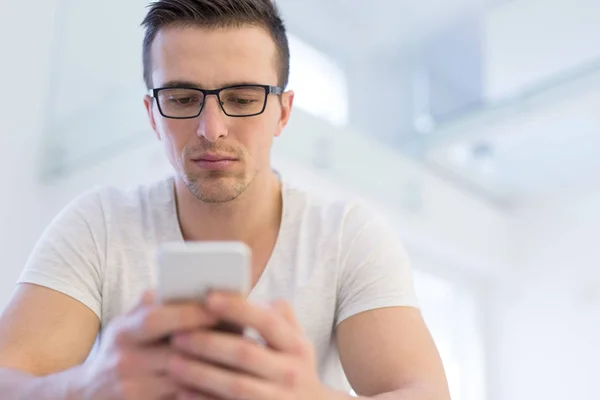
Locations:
319 83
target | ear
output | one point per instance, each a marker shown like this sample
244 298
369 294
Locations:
149 104
287 101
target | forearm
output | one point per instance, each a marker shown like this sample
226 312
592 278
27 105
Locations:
18 385
413 392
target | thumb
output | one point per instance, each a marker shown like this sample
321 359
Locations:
147 298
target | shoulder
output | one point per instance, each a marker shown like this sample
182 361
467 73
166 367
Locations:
102 206
134 196
346 217
108 200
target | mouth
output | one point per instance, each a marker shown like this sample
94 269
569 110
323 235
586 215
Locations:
214 161
214 158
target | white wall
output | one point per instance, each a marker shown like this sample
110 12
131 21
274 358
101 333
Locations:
544 322
381 96
25 37
562 34
28 204
543 318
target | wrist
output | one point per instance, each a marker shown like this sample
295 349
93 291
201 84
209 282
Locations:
66 385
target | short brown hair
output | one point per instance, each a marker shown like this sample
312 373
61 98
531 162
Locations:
216 14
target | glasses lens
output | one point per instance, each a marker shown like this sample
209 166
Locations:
180 103
241 101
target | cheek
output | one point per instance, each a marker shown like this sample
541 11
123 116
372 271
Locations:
257 138
175 133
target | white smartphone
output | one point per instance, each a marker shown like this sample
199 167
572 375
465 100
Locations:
189 270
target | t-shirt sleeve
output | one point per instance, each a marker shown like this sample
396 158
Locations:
68 257
375 270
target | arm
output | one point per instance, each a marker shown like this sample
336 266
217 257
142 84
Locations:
389 354
53 318
385 347
44 334
50 325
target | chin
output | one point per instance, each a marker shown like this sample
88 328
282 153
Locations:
216 188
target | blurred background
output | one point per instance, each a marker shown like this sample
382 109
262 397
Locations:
473 125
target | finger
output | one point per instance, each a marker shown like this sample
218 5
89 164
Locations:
287 312
148 297
222 383
145 360
276 331
185 394
237 353
153 323
151 388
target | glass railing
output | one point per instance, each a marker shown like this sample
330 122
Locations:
94 100
531 100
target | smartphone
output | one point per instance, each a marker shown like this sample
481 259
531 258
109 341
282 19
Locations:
188 271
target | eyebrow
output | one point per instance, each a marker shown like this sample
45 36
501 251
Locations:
190 84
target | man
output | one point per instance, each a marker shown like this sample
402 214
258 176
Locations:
336 284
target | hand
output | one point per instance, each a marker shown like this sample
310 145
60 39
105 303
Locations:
284 369
134 354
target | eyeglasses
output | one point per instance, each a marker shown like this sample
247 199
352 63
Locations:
235 101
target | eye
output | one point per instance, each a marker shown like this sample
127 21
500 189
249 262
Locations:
184 101
241 101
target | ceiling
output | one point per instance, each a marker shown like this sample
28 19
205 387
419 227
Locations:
530 147
515 148
536 134
351 28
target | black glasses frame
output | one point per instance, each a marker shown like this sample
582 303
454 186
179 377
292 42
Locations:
217 92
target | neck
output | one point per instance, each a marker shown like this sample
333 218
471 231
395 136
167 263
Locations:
255 214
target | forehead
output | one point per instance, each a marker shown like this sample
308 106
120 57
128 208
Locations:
214 57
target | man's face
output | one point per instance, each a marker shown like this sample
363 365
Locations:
211 59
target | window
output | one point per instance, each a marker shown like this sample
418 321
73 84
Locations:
452 315
319 83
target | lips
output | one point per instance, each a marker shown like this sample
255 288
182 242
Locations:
215 162
214 158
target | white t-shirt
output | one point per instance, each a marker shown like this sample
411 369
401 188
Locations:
331 260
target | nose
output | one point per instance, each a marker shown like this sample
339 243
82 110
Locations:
212 120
